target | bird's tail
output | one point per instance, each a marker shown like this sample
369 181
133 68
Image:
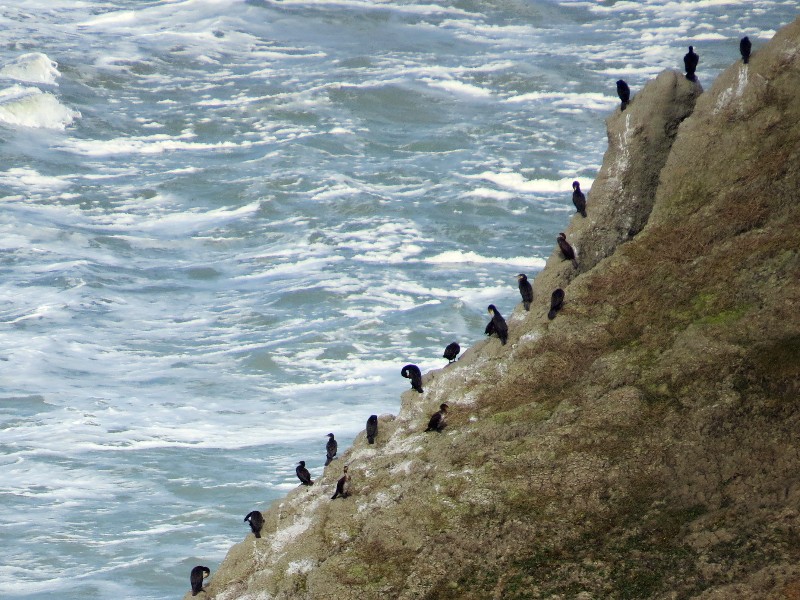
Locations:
328 461
552 314
574 263
527 305
257 534
583 213
624 106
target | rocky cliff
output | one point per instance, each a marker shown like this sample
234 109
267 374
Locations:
645 442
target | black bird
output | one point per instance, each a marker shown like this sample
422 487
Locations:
342 486
372 428
438 420
196 578
497 325
690 61
302 473
578 198
566 249
525 290
624 93
331 447
256 520
556 302
744 47
413 373
451 351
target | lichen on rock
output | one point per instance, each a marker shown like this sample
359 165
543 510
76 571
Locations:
643 444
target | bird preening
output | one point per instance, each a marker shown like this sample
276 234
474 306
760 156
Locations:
690 61
566 249
256 520
556 302
372 428
744 49
578 198
198 574
438 419
497 325
624 93
302 473
525 290
413 373
451 351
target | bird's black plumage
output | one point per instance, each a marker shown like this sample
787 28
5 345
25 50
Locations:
566 249
497 325
413 373
342 486
624 93
556 302
330 448
256 520
451 351
302 473
438 420
690 61
372 428
525 290
744 48
578 198
196 578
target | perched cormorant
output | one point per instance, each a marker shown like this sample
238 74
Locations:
196 578
497 325
744 47
256 520
690 61
578 198
438 419
556 302
302 473
413 373
624 93
525 290
331 447
566 249
342 486
451 351
372 428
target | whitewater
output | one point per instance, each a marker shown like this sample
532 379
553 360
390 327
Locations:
225 226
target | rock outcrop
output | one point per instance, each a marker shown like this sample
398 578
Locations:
644 443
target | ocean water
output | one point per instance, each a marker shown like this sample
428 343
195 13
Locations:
226 225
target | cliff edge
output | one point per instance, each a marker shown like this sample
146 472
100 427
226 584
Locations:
642 444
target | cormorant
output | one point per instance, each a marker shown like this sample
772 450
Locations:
690 61
199 573
302 473
342 486
744 47
451 351
525 290
566 249
578 198
438 419
497 325
372 428
331 447
624 93
413 373
256 520
556 301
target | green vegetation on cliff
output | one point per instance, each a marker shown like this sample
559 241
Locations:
644 444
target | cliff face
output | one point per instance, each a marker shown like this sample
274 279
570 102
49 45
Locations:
644 444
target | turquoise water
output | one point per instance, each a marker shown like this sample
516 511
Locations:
226 226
